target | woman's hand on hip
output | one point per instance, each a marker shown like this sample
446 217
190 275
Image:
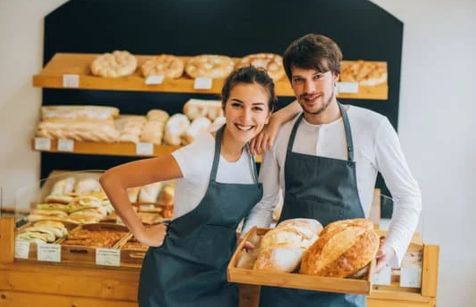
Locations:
153 236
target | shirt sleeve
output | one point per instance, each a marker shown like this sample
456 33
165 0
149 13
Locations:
262 213
187 156
405 192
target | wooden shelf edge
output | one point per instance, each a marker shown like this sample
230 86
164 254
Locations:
111 149
51 76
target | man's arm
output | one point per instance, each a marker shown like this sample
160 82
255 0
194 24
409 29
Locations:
262 213
405 192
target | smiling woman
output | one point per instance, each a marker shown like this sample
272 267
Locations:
215 195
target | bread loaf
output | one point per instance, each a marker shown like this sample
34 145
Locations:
343 248
282 248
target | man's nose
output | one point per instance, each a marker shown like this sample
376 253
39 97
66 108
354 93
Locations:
309 87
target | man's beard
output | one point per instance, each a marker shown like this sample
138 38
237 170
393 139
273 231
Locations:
321 110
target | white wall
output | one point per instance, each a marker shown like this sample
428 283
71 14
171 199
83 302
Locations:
437 131
436 116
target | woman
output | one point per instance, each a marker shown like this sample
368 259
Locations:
186 264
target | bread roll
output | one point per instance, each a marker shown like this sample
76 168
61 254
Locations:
150 192
310 224
279 259
175 127
199 126
343 248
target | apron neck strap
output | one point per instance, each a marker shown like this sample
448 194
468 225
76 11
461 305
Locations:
348 133
216 157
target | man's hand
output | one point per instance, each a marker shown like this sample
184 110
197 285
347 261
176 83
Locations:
264 140
384 255
153 236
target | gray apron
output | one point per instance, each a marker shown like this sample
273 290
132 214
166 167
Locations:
324 189
189 269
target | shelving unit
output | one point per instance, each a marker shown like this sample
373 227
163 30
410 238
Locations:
77 64
111 149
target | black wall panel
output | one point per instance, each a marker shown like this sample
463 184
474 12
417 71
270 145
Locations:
191 27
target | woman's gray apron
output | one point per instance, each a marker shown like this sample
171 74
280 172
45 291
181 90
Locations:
189 269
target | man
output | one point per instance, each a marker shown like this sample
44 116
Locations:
326 161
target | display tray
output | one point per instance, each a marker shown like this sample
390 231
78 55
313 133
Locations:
87 253
295 280
33 249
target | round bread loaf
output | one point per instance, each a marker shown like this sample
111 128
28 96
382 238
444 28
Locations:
343 248
311 224
209 66
272 63
165 65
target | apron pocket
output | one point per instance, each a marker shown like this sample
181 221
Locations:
215 244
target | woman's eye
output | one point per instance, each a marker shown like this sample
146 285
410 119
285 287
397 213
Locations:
236 105
257 108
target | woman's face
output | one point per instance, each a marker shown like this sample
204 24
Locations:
247 111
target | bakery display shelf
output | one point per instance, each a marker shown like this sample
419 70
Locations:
108 149
72 70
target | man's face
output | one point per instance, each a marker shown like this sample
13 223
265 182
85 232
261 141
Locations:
314 90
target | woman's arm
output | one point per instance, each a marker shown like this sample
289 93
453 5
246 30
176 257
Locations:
264 141
117 180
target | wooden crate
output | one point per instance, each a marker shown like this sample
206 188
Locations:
87 254
296 280
33 251
131 256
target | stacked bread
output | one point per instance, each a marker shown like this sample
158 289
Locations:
153 131
282 248
43 232
343 249
79 123
81 201
130 127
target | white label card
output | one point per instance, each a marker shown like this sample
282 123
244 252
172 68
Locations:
203 84
384 278
71 81
49 252
106 256
145 149
154 80
348 87
410 277
42 144
22 249
65 145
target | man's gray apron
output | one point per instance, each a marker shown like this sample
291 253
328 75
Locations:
189 269
324 189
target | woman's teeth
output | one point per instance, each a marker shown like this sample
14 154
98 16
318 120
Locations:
244 128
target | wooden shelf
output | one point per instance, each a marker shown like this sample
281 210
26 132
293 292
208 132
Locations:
110 149
79 64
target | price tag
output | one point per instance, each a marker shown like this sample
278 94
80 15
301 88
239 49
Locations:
348 87
146 207
154 80
384 278
203 84
65 145
146 149
106 256
22 249
42 144
49 252
71 81
410 277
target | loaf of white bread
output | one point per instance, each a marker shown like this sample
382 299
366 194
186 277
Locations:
343 248
282 248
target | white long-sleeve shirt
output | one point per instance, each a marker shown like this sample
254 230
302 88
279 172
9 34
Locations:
376 149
